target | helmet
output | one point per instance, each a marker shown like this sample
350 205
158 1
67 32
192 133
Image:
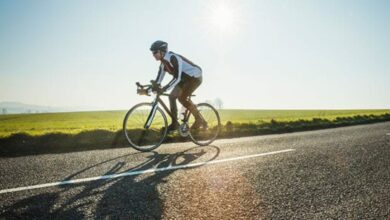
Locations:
159 45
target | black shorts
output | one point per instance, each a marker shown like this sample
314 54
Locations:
188 85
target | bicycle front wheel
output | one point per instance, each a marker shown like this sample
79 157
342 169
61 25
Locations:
205 135
145 128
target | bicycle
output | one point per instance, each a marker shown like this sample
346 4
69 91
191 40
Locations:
145 125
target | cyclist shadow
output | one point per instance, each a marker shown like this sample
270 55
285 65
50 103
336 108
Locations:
140 196
137 197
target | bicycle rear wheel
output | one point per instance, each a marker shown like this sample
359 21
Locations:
205 135
144 128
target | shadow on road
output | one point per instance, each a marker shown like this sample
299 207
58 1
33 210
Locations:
135 197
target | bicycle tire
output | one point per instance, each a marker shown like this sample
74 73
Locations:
137 130
209 135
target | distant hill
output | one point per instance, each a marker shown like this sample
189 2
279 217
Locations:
18 108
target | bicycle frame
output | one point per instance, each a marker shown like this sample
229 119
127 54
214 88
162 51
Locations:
157 101
152 113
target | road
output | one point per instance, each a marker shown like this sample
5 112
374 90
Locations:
341 173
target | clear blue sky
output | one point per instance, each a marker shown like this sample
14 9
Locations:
254 54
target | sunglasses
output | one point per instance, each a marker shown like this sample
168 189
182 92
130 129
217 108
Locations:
154 52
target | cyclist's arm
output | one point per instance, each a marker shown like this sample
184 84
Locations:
160 74
177 71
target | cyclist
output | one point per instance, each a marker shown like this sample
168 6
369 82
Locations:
186 79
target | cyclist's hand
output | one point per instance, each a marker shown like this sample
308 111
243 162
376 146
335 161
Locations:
160 90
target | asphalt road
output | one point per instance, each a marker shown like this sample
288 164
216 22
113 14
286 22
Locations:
341 173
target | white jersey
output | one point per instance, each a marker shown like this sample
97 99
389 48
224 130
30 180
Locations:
177 65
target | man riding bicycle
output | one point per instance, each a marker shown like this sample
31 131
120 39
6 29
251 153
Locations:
186 79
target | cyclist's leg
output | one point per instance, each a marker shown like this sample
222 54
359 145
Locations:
188 88
175 94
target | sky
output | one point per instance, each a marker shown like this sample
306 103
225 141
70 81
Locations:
255 54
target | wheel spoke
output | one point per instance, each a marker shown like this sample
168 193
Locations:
140 138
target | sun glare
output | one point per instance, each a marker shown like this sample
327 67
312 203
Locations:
222 17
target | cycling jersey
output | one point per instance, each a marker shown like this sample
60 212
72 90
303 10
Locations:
178 66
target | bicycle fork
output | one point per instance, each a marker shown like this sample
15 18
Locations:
151 115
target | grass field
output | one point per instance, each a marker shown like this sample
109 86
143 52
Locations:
77 122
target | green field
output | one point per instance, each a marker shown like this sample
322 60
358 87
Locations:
76 122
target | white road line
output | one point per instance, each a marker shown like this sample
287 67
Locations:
138 172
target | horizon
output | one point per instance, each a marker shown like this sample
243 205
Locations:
307 55
86 110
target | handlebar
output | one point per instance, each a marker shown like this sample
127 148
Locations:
153 85
144 89
142 86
